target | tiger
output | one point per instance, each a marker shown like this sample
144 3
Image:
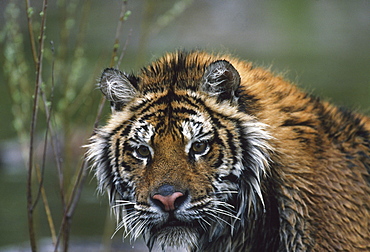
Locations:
208 152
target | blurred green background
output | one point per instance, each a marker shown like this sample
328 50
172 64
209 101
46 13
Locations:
322 46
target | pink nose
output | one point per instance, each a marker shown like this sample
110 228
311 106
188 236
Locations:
168 201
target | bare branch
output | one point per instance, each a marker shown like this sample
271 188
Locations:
38 62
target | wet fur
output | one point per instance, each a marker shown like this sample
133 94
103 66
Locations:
293 170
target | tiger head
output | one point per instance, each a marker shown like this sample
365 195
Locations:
180 158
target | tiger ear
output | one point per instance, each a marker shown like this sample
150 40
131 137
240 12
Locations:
221 80
117 88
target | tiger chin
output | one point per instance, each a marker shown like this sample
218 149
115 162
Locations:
209 153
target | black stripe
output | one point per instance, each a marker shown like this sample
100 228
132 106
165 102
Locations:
231 140
126 130
184 111
297 122
117 154
231 177
219 142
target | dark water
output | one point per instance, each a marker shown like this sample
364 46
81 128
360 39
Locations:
323 46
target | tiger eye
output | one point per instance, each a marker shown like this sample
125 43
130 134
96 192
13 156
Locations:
199 147
143 151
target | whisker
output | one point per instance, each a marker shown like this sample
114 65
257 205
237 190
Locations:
127 217
118 228
225 192
218 217
203 222
122 201
139 230
224 212
126 221
224 204
137 224
122 204
130 218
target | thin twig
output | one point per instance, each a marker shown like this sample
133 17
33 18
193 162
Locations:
48 110
53 135
118 32
46 206
124 49
41 180
29 11
38 62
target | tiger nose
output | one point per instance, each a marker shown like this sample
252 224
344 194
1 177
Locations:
167 198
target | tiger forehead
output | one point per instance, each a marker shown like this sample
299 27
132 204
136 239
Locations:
184 114
177 125
168 108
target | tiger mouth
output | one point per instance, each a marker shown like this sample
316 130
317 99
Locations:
173 222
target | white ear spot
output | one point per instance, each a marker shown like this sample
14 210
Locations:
116 86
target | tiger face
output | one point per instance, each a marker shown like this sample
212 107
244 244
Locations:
177 150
